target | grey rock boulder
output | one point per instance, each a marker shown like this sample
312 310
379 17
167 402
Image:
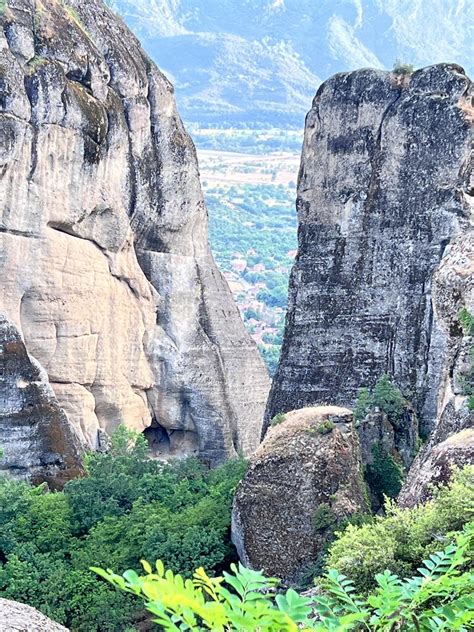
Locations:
303 479
436 467
18 617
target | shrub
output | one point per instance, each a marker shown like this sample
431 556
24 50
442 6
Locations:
467 322
277 419
400 540
438 597
325 427
384 475
323 517
362 404
401 68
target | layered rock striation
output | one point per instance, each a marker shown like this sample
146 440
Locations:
36 437
106 270
384 204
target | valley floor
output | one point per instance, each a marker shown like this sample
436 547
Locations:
249 180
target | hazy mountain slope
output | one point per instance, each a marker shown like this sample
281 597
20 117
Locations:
259 61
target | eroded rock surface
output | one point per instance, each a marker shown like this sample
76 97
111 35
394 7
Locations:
397 437
304 478
18 617
105 265
452 441
36 437
383 196
436 466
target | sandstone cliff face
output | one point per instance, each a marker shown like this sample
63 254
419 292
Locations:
36 437
304 478
106 268
383 199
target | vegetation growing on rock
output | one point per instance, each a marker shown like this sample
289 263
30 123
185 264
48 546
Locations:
385 396
402 68
401 539
467 322
384 475
323 517
277 419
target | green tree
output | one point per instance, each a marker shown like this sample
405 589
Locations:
438 597
127 506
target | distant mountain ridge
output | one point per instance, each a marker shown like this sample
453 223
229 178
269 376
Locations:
260 61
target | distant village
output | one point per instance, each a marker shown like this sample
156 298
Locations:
264 323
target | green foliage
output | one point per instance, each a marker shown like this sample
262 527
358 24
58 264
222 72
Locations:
277 419
362 405
467 322
401 539
323 517
401 68
384 475
271 357
127 506
388 398
438 597
236 601
325 427
385 396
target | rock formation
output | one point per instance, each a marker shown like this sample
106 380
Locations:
304 478
435 466
18 617
36 437
106 269
398 438
384 202
452 441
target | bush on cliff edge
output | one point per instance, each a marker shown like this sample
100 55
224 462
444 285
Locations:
401 539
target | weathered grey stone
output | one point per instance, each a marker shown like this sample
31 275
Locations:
18 617
383 196
303 478
36 438
399 439
452 440
436 467
106 269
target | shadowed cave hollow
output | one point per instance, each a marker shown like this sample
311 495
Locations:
165 442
